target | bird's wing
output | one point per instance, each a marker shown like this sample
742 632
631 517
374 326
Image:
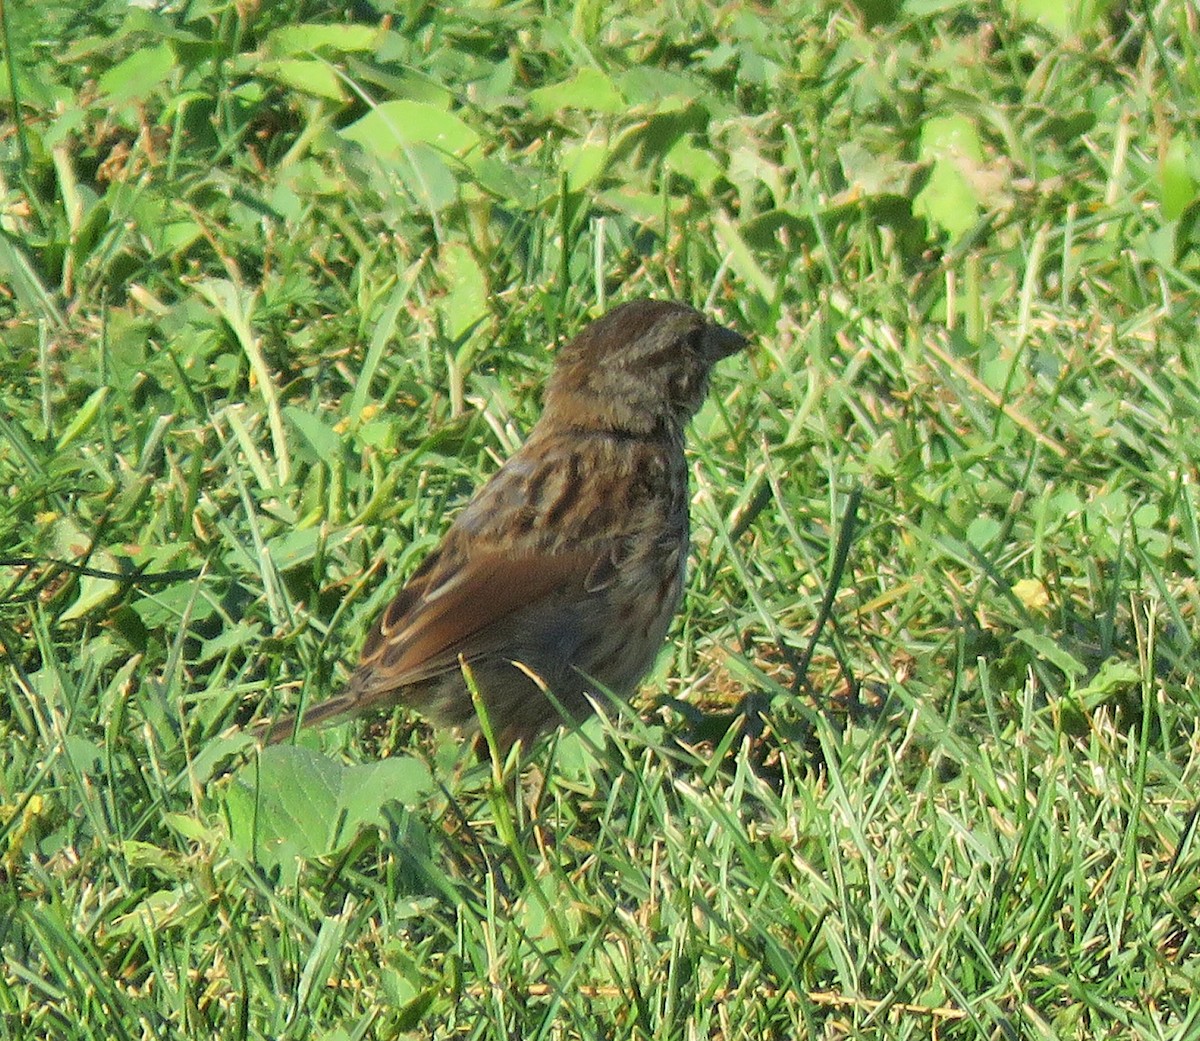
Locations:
503 556
463 609
450 607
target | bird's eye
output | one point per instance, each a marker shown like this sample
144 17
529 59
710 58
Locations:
694 340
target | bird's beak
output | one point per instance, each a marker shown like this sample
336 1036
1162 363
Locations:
720 342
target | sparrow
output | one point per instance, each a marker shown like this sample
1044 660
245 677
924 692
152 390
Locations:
556 584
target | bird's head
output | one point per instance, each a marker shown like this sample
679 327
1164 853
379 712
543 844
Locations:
643 364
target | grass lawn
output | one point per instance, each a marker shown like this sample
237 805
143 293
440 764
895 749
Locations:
279 284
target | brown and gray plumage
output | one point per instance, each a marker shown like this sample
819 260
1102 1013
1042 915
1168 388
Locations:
569 563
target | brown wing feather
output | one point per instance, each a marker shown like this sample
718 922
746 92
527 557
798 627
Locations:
465 614
443 612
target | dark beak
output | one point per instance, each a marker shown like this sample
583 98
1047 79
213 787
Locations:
720 342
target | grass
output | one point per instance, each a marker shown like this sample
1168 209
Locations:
278 284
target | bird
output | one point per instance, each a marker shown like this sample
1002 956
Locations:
559 579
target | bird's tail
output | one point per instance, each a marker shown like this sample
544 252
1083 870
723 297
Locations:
278 730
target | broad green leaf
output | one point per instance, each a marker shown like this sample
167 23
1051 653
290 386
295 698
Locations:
1046 648
71 543
299 545
427 175
294 804
304 39
982 531
695 164
950 144
136 77
1066 18
321 437
584 162
368 786
387 128
1177 188
465 304
589 89
659 89
317 78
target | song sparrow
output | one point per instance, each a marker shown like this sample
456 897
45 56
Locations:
565 569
